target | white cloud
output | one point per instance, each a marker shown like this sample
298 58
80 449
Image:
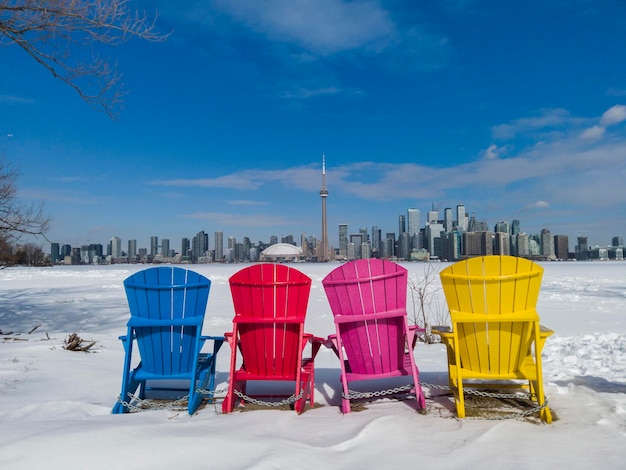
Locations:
538 205
493 152
547 119
593 133
614 115
321 26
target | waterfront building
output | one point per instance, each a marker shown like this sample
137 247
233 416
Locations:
561 246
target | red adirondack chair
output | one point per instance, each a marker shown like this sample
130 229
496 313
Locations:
373 338
270 303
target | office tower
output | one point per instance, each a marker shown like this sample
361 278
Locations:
522 244
116 247
54 253
357 240
390 245
364 234
343 240
376 240
433 239
501 243
404 245
287 239
477 244
417 240
447 219
547 243
199 246
184 247
66 250
502 227
165 248
154 246
461 218
617 241
401 225
451 242
413 221
561 246
246 246
433 217
273 240
132 249
323 246
219 246
366 250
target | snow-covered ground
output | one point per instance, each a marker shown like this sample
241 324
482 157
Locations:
55 404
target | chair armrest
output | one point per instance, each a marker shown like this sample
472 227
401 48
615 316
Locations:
544 332
332 343
316 343
439 329
218 341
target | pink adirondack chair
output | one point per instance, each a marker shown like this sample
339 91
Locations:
373 339
270 303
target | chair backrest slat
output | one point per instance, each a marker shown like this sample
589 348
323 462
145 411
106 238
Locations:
167 293
364 287
499 287
275 292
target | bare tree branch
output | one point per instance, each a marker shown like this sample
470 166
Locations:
62 36
18 218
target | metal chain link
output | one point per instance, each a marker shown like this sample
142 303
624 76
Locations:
471 391
287 401
353 395
138 404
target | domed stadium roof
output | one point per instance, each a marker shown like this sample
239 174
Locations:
282 250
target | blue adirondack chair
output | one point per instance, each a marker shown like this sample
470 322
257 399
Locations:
167 307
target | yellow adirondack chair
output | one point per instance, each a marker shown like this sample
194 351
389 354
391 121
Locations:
495 336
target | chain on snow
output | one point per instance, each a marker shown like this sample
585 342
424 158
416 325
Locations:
137 404
287 401
471 391
353 395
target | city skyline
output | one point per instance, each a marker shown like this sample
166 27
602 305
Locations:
517 111
216 244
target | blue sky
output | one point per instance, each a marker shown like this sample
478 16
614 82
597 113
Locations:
514 109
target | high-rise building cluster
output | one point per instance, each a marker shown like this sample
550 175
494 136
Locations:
453 237
459 236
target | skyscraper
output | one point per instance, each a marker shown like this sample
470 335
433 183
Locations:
447 219
413 221
154 246
343 240
323 246
219 246
461 218
165 247
401 225
116 247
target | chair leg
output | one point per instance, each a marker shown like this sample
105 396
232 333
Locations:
305 387
229 400
459 399
536 390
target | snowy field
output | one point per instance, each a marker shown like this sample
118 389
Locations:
55 404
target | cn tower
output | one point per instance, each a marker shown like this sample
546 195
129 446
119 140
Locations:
323 249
